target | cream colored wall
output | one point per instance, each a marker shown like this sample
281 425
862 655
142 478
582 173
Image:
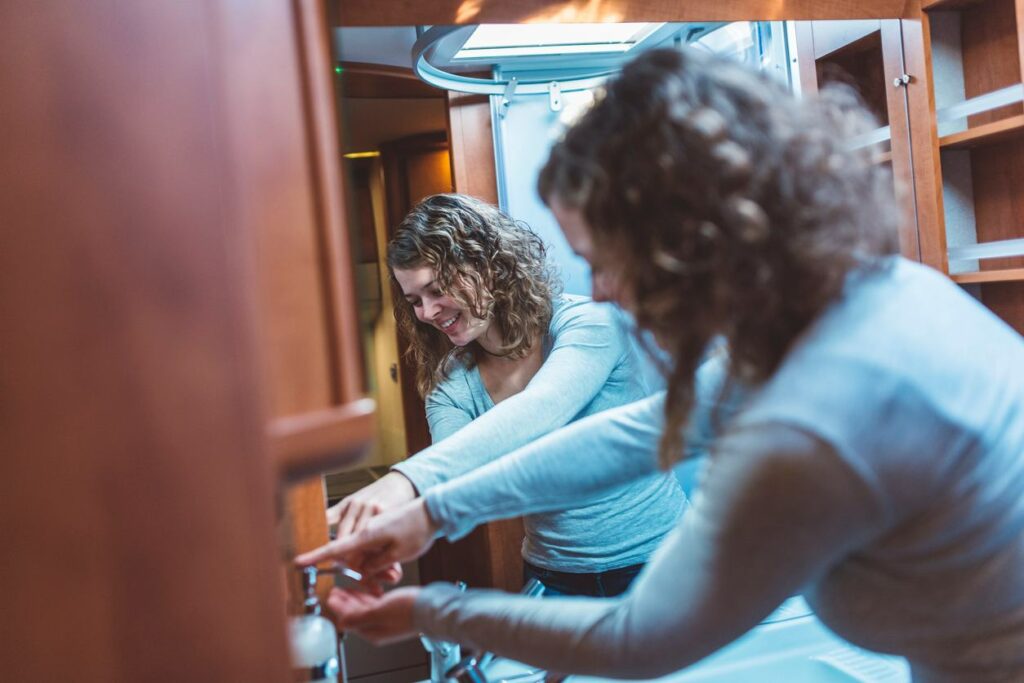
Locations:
390 444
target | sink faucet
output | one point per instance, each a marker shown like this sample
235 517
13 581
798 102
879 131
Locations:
443 655
471 668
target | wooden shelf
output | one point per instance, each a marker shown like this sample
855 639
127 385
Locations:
1007 275
881 158
313 443
985 134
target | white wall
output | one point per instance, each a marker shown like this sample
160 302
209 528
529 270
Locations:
527 133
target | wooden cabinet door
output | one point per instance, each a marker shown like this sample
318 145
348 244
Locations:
136 491
869 56
319 418
173 271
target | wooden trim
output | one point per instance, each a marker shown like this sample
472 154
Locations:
1019 17
363 80
985 134
891 44
929 5
924 143
415 12
386 70
1008 275
324 145
314 442
472 146
395 158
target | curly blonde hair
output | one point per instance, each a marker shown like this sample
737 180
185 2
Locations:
492 265
733 209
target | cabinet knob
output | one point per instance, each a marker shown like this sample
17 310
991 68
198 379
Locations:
901 80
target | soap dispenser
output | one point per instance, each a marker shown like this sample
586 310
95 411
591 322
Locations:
314 640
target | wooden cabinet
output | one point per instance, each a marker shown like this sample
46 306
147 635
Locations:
170 202
310 333
974 53
868 55
138 496
290 170
948 87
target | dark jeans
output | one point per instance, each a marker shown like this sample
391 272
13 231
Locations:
598 584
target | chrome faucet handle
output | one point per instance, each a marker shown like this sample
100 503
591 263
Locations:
468 670
341 570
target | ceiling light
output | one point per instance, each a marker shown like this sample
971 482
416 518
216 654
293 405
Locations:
491 41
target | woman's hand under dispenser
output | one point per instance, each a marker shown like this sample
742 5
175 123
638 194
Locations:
379 619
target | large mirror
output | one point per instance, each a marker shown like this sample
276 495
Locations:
475 109
405 138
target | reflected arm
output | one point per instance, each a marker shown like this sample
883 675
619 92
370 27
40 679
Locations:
585 352
563 469
573 465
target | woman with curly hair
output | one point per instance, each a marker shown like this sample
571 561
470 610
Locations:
502 358
878 462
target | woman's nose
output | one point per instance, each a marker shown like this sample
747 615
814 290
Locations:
429 310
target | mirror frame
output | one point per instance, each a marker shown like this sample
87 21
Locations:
416 13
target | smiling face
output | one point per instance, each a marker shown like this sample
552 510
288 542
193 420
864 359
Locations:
433 307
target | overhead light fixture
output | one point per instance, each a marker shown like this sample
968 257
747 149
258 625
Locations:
361 155
495 41
538 59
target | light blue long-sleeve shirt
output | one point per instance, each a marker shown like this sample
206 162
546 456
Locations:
589 367
880 469
621 445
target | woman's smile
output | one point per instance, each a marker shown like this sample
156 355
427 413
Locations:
446 324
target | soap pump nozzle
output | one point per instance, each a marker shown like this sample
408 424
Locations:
314 641
311 604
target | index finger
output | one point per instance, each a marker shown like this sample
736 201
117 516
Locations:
328 551
337 549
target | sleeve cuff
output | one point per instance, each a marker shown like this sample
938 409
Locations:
420 477
447 522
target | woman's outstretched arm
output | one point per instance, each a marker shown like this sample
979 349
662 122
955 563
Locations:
777 510
586 351
563 469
